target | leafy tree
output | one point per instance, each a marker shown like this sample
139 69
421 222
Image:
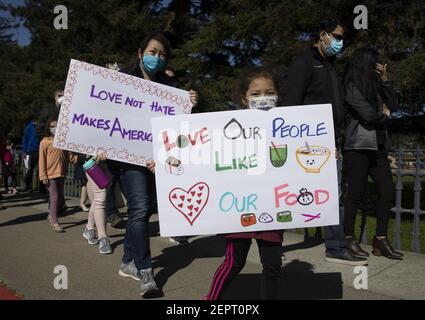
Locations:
213 42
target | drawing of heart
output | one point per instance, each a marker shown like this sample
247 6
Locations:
182 200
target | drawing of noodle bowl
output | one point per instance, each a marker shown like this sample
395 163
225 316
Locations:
312 158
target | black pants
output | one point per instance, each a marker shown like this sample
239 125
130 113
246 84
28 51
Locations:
236 253
359 164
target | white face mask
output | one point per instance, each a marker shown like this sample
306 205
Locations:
59 101
53 131
262 102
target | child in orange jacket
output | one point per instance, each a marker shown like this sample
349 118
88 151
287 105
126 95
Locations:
52 166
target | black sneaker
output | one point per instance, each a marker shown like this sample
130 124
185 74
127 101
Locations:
345 258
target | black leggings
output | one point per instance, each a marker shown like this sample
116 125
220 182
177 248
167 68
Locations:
358 165
236 253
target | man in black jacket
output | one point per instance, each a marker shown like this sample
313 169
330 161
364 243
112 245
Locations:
312 79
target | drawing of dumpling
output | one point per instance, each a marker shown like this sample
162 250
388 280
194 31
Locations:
305 197
265 218
173 166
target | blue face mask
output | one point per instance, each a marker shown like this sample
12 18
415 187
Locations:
334 48
152 64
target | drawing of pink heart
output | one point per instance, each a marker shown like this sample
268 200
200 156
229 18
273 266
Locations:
177 195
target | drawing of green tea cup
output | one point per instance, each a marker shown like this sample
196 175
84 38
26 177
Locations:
278 155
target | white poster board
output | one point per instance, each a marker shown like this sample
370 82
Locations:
247 170
108 110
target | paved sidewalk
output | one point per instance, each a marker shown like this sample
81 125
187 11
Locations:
30 250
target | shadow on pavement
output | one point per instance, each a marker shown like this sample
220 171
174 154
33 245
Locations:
299 282
25 219
175 258
69 225
25 199
306 244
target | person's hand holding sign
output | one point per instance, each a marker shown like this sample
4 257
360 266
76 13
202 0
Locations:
100 156
151 165
193 97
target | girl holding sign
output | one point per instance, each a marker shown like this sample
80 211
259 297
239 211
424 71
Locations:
138 183
258 88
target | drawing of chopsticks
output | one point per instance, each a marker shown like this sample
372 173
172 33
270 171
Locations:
308 149
312 217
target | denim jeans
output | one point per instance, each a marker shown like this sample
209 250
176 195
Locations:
334 235
138 187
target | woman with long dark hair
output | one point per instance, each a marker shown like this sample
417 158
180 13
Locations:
369 97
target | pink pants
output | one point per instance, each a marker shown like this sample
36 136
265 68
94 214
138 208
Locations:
97 214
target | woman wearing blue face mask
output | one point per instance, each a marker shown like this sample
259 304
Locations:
331 44
153 56
138 183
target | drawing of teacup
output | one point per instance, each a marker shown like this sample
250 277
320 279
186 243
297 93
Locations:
312 158
278 155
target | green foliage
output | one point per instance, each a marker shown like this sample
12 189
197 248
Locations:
213 41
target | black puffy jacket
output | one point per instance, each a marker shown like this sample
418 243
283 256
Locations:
312 79
363 123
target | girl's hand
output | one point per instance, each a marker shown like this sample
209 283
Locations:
382 71
151 165
193 97
337 154
45 182
100 156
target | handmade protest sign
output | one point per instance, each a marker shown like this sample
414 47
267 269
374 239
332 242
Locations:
247 170
108 110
